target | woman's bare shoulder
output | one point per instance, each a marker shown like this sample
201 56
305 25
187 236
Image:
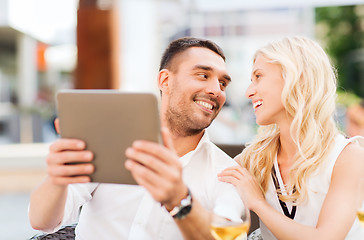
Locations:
351 159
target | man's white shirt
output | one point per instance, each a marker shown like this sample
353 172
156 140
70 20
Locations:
114 211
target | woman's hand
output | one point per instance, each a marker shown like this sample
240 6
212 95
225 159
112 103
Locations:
245 183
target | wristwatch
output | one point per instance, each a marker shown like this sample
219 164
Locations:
184 208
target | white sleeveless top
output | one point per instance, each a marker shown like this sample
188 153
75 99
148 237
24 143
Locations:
318 186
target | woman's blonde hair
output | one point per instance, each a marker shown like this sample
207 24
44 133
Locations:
308 96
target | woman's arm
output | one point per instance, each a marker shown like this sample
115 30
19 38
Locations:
337 214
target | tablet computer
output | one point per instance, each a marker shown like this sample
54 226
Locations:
108 121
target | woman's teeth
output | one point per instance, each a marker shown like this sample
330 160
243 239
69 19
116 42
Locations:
257 104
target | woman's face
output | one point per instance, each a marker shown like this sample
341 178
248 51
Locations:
265 92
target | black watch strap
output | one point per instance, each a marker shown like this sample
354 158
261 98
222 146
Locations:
184 208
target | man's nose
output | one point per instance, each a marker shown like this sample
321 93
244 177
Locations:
214 87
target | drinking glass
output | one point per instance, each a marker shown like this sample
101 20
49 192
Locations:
230 228
360 211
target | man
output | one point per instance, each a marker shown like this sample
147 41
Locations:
192 81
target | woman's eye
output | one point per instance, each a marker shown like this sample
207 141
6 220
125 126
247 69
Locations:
222 83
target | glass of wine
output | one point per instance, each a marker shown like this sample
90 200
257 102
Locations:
224 227
360 212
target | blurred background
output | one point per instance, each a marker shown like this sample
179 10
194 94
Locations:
48 45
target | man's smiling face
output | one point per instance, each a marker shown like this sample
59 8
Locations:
196 90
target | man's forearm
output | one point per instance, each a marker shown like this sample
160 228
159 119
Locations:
196 225
46 207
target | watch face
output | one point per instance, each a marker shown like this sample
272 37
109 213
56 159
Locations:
184 208
183 212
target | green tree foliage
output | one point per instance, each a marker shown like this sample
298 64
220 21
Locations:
340 30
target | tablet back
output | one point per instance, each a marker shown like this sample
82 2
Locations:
108 121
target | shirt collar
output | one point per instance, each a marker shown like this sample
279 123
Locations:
202 144
205 140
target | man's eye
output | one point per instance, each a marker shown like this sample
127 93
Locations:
203 75
223 83
257 76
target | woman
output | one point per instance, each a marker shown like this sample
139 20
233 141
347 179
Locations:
299 175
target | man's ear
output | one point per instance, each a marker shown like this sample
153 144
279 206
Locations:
163 78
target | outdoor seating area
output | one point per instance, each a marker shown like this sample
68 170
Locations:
135 95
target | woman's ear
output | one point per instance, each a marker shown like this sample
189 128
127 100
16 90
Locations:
163 78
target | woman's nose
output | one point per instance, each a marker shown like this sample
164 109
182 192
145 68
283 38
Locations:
250 91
